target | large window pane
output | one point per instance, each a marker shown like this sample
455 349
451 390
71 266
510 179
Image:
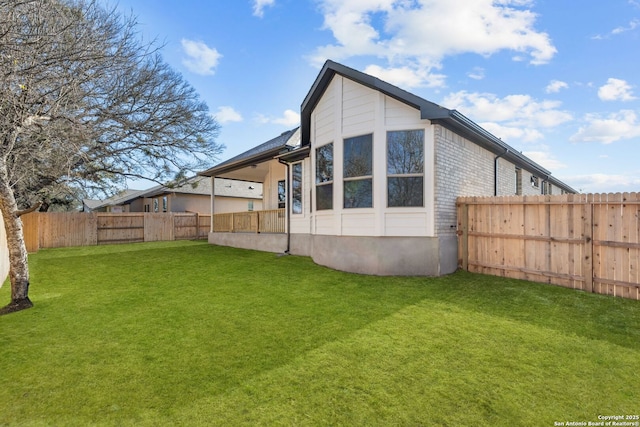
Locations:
358 194
324 164
405 168
296 190
405 191
358 169
358 156
405 152
324 197
324 177
282 194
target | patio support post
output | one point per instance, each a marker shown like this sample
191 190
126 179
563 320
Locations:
213 197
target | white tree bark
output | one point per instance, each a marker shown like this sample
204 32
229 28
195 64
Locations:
18 265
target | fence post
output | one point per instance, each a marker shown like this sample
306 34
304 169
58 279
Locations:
587 265
463 211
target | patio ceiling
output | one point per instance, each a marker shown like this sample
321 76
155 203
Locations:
254 173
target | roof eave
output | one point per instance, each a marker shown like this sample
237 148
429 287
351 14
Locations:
229 167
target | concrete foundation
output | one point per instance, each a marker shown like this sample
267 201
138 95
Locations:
260 242
380 256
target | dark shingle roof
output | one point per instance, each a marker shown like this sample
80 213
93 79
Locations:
265 151
450 119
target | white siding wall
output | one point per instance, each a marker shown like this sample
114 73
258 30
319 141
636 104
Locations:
301 223
348 109
277 172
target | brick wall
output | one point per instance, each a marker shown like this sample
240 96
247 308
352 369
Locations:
463 168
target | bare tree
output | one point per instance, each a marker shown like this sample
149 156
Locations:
84 103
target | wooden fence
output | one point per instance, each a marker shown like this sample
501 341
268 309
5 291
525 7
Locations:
269 221
54 230
582 241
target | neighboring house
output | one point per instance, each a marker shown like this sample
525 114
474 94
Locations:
191 195
260 165
117 203
373 174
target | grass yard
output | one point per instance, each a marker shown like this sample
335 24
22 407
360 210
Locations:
185 333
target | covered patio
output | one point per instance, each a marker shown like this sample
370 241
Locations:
259 165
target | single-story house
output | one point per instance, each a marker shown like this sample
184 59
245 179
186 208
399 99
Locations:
191 195
370 178
117 203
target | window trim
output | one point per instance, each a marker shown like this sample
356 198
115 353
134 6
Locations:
293 191
282 184
328 182
362 178
405 175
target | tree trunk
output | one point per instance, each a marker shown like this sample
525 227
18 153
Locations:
18 263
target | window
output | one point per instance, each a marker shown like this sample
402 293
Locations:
358 172
282 194
535 182
164 204
324 177
250 205
405 168
155 205
296 188
546 187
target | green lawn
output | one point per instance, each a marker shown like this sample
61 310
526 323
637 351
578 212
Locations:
185 333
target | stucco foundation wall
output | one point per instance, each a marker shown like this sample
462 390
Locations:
301 244
380 256
261 242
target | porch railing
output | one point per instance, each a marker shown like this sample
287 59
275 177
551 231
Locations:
269 221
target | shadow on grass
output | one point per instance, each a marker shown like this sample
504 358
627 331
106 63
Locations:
161 325
593 316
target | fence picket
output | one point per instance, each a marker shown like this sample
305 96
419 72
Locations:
588 242
63 229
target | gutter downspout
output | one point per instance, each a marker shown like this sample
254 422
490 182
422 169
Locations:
495 171
287 206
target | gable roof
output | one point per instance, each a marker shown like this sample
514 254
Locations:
450 119
194 185
285 142
115 200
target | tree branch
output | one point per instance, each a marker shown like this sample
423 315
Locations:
29 210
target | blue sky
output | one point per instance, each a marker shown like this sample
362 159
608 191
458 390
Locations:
558 80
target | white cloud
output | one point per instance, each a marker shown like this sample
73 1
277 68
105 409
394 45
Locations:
512 133
512 110
289 118
226 114
477 73
405 76
616 90
555 86
607 183
546 159
201 59
259 6
616 126
632 26
419 34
